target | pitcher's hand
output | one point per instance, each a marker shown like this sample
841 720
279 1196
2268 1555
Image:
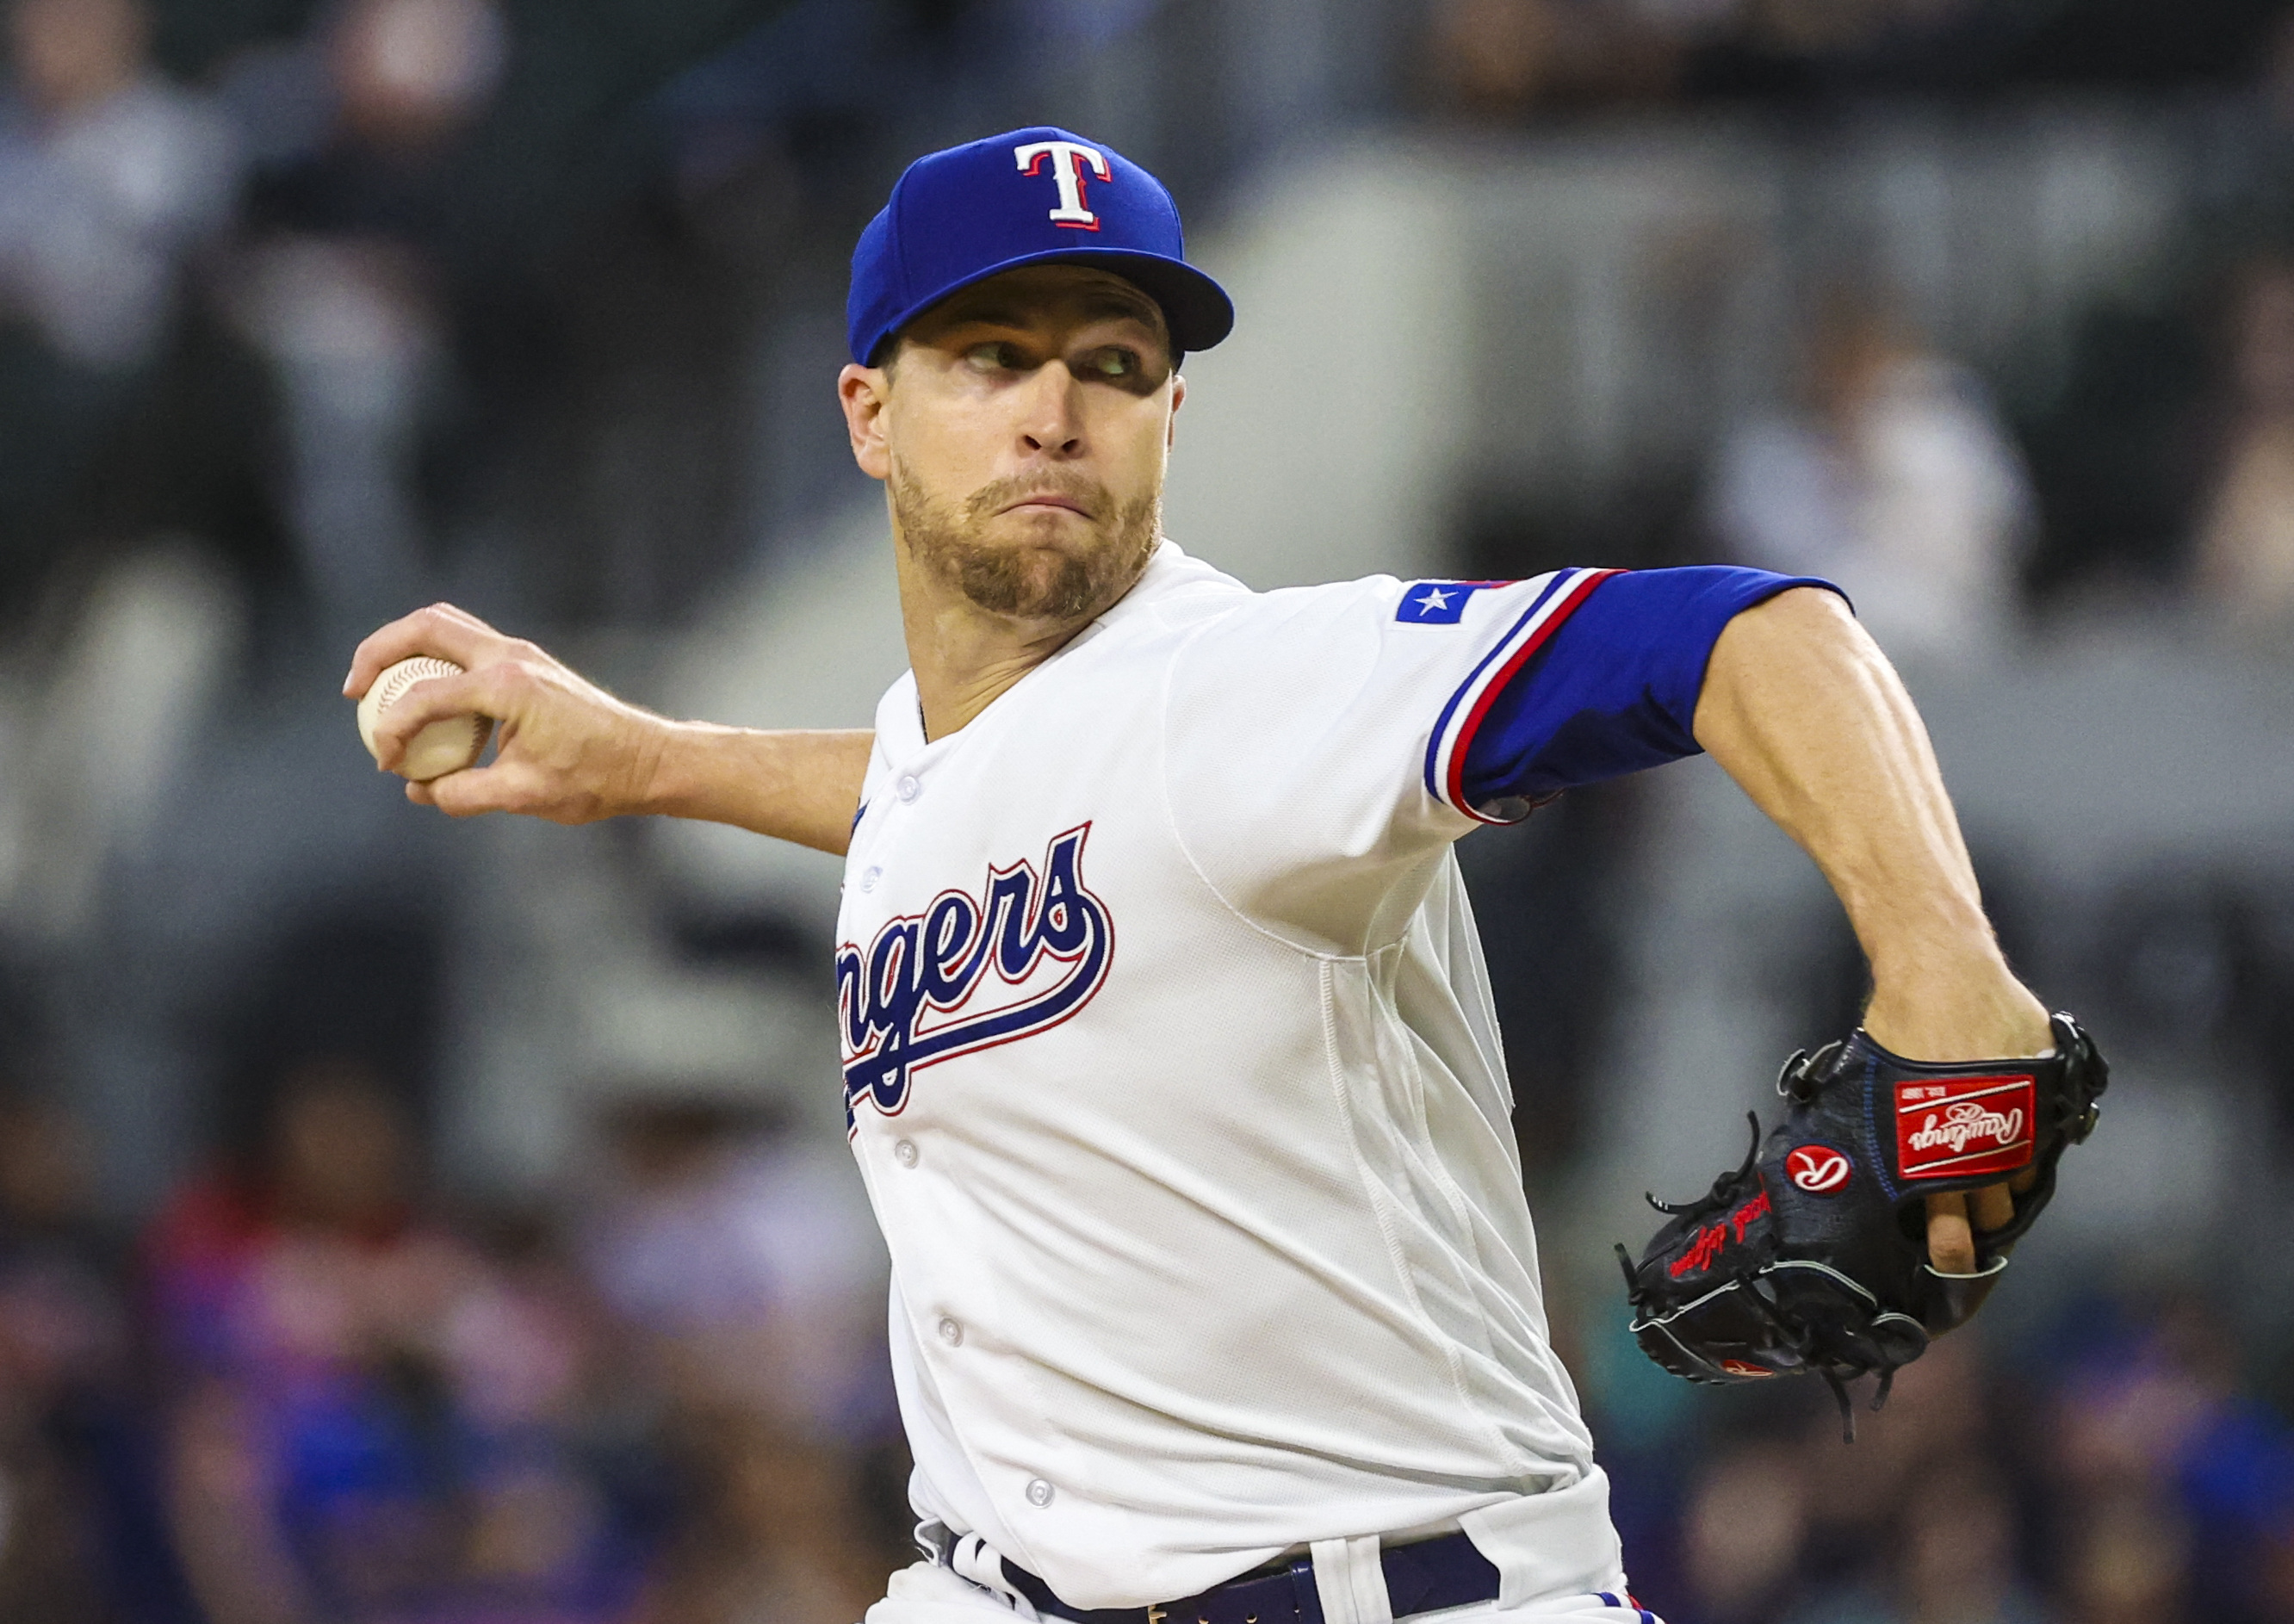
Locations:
566 750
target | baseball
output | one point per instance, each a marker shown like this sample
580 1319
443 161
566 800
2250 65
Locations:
447 745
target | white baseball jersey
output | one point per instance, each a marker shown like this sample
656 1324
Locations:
1173 1079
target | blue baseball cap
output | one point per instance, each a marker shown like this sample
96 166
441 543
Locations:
1040 196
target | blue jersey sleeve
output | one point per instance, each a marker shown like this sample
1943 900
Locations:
1612 690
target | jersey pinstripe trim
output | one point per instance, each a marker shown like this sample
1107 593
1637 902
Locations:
1461 718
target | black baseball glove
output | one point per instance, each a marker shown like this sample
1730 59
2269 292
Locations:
1812 1256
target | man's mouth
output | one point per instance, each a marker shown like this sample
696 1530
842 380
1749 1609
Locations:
1049 499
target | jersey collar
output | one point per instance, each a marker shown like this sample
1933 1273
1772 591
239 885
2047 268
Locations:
900 723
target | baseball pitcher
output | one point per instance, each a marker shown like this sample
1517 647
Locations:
1168 1056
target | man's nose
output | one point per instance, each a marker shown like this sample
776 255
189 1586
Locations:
1051 419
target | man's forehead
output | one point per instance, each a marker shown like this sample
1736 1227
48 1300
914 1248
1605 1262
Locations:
1030 293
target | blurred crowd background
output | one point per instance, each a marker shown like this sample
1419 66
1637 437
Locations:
410 1224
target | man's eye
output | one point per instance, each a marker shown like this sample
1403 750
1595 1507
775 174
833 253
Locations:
994 357
1112 363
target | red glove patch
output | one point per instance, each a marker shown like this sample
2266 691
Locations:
1961 1127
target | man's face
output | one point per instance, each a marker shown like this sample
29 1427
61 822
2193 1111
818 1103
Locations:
1022 431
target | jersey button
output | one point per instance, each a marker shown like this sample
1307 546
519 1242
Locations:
905 1153
951 1333
868 878
1039 1492
909 788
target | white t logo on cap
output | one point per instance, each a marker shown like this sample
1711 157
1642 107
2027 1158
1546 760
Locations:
1068 160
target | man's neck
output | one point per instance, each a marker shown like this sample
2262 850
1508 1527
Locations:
965 657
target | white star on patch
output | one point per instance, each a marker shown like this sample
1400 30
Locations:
1435 598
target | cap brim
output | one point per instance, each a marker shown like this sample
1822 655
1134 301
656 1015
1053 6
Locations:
1195 307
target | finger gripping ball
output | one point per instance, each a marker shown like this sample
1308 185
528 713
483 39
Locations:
447 745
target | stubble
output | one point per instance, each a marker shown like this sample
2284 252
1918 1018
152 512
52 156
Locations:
1025 581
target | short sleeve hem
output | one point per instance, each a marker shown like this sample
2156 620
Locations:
1461 718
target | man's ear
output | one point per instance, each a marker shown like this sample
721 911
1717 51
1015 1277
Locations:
1178 399
864 392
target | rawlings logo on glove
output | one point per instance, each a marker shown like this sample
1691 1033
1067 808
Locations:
1818 1169
1812 1256
1954 1130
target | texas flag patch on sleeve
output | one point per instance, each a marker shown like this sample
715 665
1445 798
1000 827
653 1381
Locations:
1437 603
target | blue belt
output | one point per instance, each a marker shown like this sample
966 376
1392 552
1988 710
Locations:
1446 1572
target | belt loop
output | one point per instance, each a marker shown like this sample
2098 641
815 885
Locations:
973 1560
1350 1581
934 1540
1303 1590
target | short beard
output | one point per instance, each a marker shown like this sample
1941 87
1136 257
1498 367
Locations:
1022 581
